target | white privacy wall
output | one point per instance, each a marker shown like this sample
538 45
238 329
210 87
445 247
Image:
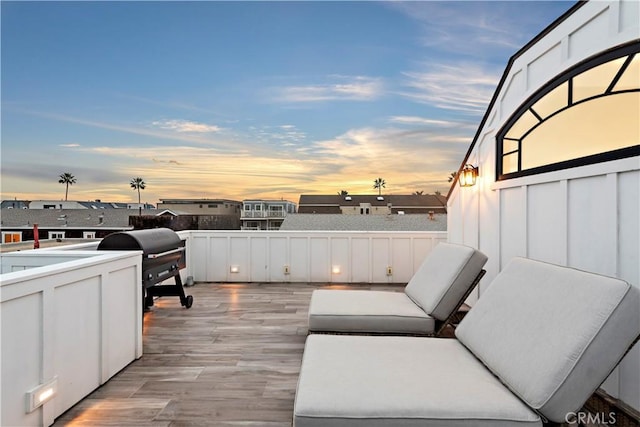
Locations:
309 256
586 217
78 321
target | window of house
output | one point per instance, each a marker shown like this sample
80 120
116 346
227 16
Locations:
587 115
56 234
11 236
247 207
88 234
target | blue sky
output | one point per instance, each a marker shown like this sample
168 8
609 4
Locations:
248 99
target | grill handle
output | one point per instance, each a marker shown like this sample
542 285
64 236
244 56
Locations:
172 251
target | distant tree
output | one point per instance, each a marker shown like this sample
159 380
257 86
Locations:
438 193
343 193
418 193
379 184
452 176
67 179
138 184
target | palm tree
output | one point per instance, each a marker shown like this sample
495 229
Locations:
343 193
379 183
138 184
452 176
418 193
68 179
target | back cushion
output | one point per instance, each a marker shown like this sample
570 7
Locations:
444 277
552 334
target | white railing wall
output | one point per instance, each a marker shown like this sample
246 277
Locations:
307 256
78 321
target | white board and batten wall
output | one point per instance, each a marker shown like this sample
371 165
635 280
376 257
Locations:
585 217
69 318
307 256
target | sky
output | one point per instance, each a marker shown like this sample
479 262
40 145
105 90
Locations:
246 100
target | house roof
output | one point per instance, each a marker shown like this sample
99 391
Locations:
397 201
329 222
66 218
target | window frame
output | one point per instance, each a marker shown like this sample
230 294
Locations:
631 51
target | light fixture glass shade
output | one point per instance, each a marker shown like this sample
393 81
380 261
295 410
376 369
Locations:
468 176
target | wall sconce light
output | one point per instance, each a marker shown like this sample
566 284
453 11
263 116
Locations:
234 269
468 176
335 269
41 394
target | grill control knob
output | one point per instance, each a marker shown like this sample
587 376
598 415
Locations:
149 276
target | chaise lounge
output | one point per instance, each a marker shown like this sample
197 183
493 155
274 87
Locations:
536 345
432 296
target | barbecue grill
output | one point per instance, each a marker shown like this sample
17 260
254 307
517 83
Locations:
163 256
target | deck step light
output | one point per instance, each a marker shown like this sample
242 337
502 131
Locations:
41 394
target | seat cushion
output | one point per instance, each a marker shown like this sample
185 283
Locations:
378 381
552 334
444 278
367 312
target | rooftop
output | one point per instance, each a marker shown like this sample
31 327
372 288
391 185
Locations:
415 222
233 358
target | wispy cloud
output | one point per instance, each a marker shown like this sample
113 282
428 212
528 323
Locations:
470 28
464 87
185 126
338 88
69 145
422 121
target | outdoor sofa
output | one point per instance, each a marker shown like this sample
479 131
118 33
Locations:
435 292
539 341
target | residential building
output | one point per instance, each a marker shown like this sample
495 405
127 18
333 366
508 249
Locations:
17 225
265 214
331 222
201 206
558 158
71 204
372 204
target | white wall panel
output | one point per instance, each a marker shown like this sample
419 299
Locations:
77 343
629 270
546 222
629 19
239 256
591 226
538 69
592 34
259 269
278 259
380 259
360 260
299 259
401 260
340 254
199 245
217 265
320 266
513 224
21 358
119 329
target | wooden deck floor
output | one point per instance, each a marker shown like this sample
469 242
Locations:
230 360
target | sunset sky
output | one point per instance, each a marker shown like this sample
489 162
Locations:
245 100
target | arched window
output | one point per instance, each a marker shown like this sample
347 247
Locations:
589 114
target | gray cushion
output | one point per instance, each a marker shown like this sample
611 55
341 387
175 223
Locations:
377 381
367 311
552 334
434 292
444 277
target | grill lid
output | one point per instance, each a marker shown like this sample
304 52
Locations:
151 241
